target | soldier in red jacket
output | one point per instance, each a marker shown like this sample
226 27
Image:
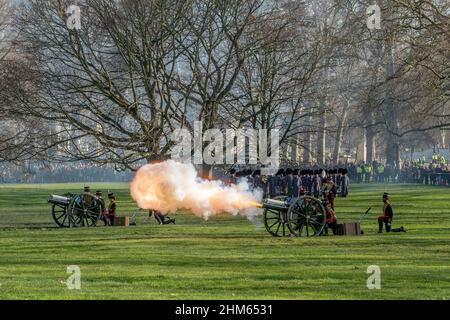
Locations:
112 208
331 218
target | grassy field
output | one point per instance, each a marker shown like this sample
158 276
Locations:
226 257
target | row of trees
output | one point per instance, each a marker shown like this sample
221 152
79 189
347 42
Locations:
138 69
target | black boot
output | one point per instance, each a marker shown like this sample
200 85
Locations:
380 226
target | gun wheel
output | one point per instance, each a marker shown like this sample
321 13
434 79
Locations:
61 216
85 211
276 222
306 217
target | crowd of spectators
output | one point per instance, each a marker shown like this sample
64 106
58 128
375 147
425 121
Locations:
60 173
431 172
418 171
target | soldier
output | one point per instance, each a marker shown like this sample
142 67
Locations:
160 218
386 218
316 183
345 181
271 182
232 177
257 181
280 183
99 195
112 209
300 180
338 178
292 183
329 190
311 179
331 219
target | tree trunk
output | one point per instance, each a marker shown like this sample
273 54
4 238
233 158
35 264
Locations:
340 135
370 140
321 137
307 142
392 147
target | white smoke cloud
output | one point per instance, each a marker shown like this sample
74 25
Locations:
171 186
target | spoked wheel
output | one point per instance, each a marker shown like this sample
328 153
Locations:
85 211
306 217
276 222
60 216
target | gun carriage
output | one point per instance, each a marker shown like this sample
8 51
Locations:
298 217
70 211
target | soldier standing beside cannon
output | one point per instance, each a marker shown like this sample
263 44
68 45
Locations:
112 208
99 195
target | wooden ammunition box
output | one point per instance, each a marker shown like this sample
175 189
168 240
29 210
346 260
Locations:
348 229
121 221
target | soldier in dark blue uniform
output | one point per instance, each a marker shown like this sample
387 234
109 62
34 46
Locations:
249 177
344 183
317 183
232 177
280 182
310 182
256 176
301 180
272 183
291 181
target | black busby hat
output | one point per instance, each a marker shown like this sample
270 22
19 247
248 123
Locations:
248 172
385 195
256 173
232 171
99 192
111 195
280 172
317 171
296 172
340 170
87 189
345 171
289 171
311 172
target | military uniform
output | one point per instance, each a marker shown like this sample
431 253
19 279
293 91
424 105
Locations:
316 185
386 218
292 184
344 183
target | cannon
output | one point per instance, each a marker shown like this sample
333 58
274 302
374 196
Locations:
69 210
298 217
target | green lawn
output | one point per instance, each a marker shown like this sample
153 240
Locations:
226 257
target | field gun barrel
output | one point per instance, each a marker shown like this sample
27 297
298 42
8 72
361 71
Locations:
277 205
54 199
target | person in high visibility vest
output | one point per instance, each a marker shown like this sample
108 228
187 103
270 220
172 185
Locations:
442 161
359 173
381 170
434 158
368 171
